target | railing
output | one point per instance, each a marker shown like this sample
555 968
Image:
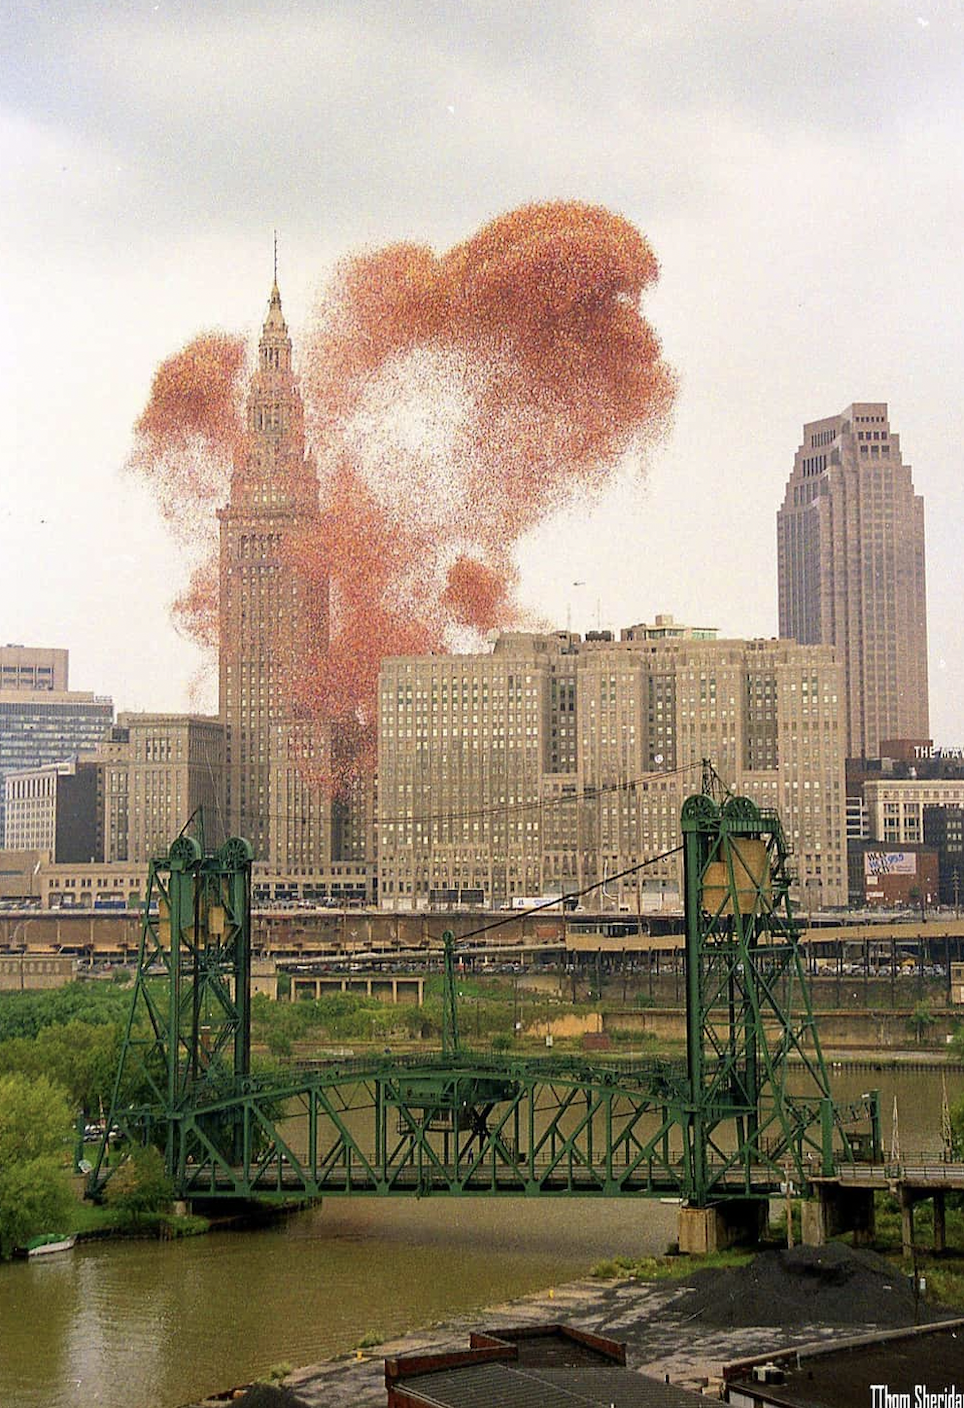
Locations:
923 1166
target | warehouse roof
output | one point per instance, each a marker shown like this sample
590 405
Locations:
527 1367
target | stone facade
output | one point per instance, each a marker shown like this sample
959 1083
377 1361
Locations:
850 541
552 764
271 619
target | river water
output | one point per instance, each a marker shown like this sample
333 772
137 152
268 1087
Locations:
153 1325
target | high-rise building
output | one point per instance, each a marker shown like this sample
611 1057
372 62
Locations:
173 769
45 725
944 830
271 620
850 541
553 763
32 667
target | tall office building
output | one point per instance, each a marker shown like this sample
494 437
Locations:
172 768
271 618
40 725
850 541
555 763
53 809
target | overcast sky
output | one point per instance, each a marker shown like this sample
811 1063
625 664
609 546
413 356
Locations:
797 167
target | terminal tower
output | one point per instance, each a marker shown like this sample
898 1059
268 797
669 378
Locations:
272 621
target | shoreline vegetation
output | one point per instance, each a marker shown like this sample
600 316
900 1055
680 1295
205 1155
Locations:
59 1051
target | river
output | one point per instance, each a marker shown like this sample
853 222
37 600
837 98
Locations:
152 1325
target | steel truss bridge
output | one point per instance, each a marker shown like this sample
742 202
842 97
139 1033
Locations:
723 1124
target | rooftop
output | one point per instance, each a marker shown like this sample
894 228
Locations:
840 1373
528 1367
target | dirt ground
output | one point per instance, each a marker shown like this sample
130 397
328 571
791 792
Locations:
687 1328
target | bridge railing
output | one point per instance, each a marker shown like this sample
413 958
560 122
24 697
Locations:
923 1166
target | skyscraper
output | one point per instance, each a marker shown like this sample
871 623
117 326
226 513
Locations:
271 620
850 543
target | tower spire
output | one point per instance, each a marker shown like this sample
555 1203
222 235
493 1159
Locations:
276 258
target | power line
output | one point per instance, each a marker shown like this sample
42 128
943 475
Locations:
521 914
500 809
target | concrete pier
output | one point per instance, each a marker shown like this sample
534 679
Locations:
704 1230
835 1210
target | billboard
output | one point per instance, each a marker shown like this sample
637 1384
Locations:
890 863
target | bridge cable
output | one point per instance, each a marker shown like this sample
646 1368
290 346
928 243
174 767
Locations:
520 914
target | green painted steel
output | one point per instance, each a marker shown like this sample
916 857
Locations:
450 1006
188 1034
749 1012
720 1125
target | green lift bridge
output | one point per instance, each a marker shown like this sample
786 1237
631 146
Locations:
749 1108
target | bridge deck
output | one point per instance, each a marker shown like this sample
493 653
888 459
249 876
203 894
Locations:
931 1171
447 1180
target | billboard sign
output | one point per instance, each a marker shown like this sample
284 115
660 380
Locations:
890 863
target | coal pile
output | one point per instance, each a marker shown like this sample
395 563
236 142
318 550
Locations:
833 1285
268 1396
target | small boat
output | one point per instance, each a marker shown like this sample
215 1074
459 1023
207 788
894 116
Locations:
43 1246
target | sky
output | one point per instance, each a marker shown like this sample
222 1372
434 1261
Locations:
798 169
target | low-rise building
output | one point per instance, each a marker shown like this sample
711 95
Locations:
519 1366
27 972
53 808
898 876
923 1364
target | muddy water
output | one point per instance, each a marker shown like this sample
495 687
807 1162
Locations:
152 1325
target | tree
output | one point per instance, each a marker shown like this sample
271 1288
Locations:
35 1120
27 1013
35 1197
920 1020
81 1057
957 1129
35 1127
140 1186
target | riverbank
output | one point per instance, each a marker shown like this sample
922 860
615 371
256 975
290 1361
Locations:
687 1327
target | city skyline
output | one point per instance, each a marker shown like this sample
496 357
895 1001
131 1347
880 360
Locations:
782 291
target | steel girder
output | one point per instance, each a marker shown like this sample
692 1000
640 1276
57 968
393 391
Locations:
724 1125
749 1012
188 1033
475 1126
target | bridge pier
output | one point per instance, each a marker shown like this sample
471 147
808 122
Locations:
704 1230
940 1223
835 1210
910 1196
907 1201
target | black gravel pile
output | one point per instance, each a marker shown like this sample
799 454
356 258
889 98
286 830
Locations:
833 1285
268 1396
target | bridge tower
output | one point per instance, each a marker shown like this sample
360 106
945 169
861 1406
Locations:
748 1011
188 1036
